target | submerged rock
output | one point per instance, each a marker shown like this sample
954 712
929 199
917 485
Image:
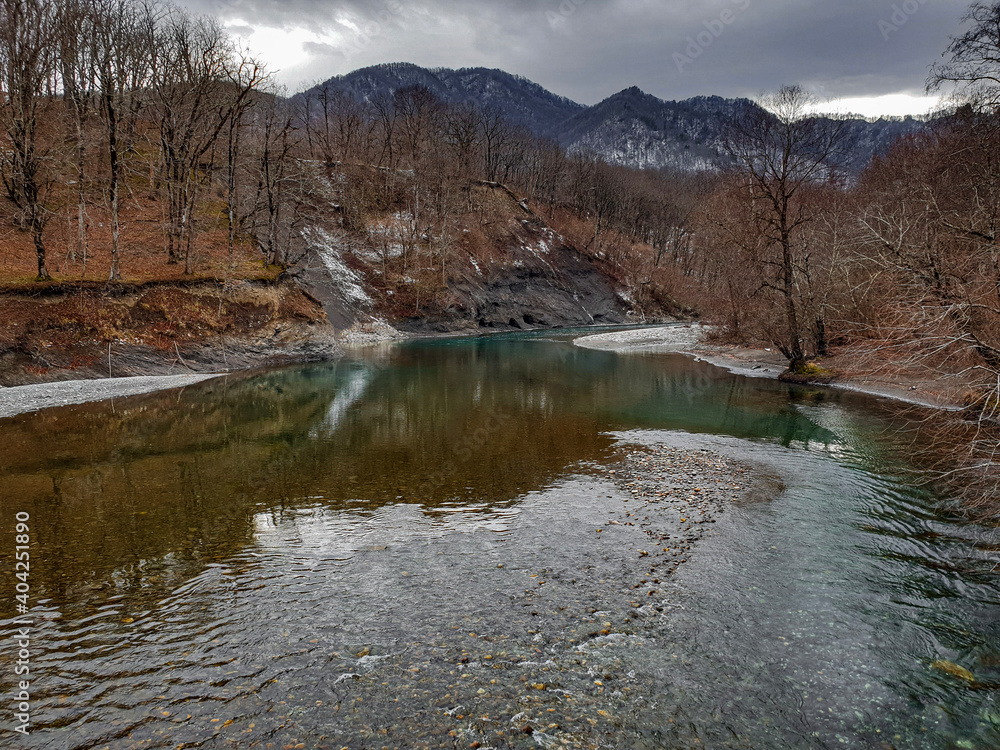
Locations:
954 670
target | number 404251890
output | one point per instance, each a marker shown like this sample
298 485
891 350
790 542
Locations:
22 556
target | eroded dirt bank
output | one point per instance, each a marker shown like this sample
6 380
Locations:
78 333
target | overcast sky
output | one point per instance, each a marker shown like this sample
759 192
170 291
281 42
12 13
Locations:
589 49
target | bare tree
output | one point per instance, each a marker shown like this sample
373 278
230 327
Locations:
548 173
191 58
246 76
781 151
75 24
27 69
121 64
462 134
386 116
337 124
973 59
276 138
418 117
495 134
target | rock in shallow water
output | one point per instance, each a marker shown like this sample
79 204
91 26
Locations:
954 670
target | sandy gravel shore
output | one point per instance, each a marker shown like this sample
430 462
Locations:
757 363
663 338
25 398
688 338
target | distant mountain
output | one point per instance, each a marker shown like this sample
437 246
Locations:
635 129
631 128
521 101
638 130
869 138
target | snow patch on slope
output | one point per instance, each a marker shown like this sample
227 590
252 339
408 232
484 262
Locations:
329 249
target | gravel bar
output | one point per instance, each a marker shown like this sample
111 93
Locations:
666 338
27 398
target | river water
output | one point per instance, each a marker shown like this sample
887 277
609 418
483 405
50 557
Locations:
398 550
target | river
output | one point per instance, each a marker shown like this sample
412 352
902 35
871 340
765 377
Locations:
398 550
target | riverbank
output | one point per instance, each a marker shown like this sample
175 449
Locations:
690 340
27 398
137 369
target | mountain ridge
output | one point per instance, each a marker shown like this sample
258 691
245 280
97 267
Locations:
631 127
523 101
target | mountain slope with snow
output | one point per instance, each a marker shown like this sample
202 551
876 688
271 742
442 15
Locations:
631 128
520 100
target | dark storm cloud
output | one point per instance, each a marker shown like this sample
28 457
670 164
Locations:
589 49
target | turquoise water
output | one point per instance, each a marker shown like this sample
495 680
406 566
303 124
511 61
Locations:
392 550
